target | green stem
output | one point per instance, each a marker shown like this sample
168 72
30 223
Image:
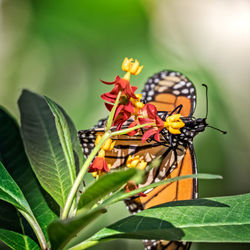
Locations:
127 130
84 245
81 174
112 113
36 228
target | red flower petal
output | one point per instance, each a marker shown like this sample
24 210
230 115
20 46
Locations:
105 166
159 122
110 83
119 109
108 106
134 88
148 133
145 121
157 136
133 124
129 91
151 110
99 164
129 108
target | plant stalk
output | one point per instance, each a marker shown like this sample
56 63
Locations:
112 113
37 229
81 174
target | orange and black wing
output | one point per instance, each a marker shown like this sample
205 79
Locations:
169 89
166 90
179 190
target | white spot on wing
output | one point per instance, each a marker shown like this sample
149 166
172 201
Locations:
179 85
176 92
151 93
185 91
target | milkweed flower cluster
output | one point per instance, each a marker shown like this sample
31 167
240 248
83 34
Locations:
130 106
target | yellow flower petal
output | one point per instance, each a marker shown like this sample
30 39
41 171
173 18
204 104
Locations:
98 138
173 124
101 153
131 67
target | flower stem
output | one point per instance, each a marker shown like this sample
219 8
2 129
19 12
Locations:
81 174
112 113
127 130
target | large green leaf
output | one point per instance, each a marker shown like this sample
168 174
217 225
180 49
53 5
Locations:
104 186
61 232
43 146
64 136
17 241
220 219
13 157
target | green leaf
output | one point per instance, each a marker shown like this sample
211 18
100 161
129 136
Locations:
43 146
17 241
11 193
64 136
14 159
62 231
105 185
220 219
119 196
79 159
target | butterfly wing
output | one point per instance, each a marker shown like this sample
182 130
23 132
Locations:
169 89
166 245
166 90
179 190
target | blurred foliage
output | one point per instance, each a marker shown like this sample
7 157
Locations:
62 48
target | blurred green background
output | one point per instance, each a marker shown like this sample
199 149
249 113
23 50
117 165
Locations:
62 48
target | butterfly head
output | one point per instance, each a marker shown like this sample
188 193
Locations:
200 124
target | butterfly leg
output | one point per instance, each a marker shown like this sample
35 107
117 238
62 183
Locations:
177 109
172 147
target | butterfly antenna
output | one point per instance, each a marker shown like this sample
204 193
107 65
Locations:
222 131
204 85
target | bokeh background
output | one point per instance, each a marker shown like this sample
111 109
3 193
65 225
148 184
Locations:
62 48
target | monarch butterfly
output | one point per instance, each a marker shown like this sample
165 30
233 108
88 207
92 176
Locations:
171 92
